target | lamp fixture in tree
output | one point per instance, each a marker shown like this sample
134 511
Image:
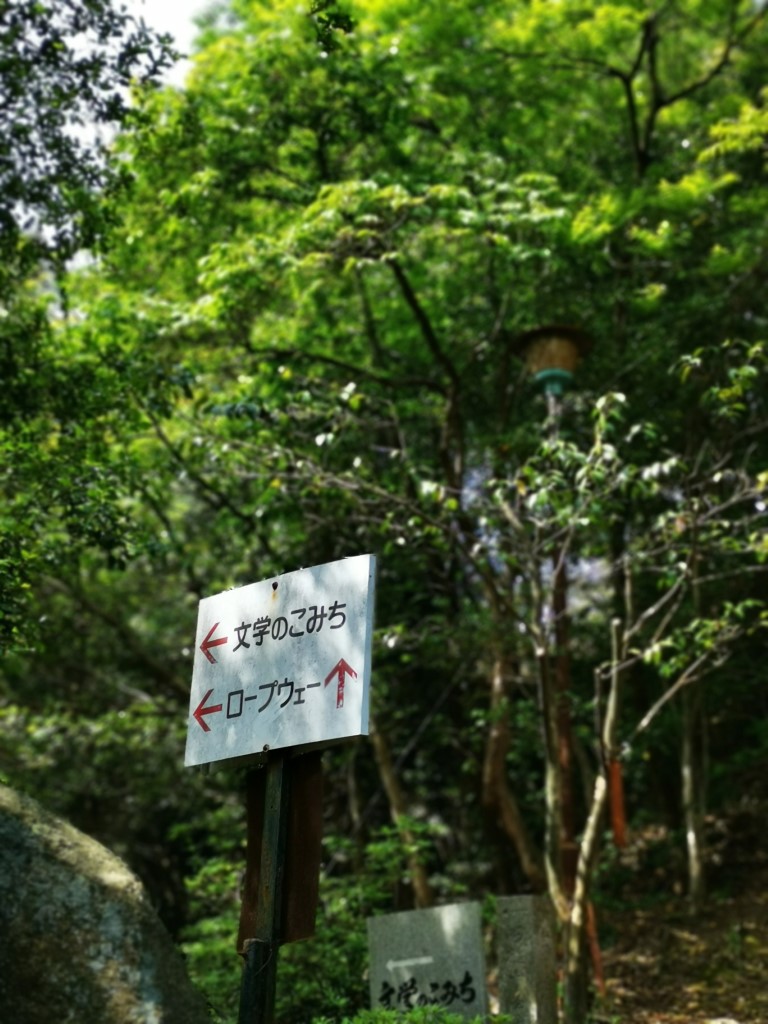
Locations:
552 354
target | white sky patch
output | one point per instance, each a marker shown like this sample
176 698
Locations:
176 17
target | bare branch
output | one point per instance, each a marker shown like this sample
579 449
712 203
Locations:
425 324
157 669
209 493
377 352
301 355
690 675
452 441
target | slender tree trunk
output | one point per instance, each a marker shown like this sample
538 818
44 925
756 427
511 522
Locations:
561 851
555 691
576 976
623 604
569 850
552 792
575 982
692 792
398 809
497 796
693 771
354 805
553 829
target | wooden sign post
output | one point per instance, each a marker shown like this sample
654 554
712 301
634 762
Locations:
257 993
282 670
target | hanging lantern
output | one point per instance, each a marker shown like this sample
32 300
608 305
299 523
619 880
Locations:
552 354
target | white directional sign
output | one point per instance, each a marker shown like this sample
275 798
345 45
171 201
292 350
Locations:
429 958
281 663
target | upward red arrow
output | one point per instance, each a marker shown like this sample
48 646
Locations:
341 669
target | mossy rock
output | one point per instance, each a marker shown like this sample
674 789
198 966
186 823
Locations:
80 940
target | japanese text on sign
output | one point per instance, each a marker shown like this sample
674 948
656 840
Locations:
280 627
266 655
236 699
407 995
276 628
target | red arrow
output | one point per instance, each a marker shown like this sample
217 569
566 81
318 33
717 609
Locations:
210 710
340 669
206 645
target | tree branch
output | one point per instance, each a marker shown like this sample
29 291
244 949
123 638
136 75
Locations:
425 324
452 441
210 494
316 357
162 675
690 675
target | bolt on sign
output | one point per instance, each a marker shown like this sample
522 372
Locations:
283 663
429 957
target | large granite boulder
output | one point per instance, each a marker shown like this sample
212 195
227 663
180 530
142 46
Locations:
79 941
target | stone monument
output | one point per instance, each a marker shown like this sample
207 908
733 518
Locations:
526 952
429 957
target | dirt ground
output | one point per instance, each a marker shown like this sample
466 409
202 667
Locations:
663 965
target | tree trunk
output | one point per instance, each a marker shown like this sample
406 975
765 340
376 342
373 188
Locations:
552 791
398 809
576 977
575 981
569 851
693 772
354 806
497 796
693 792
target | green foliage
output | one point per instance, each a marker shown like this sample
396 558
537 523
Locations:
317 979
422 1015
66 67
302 341
330 18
